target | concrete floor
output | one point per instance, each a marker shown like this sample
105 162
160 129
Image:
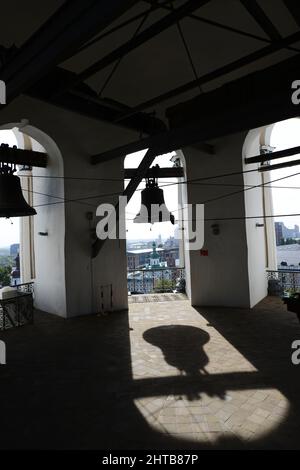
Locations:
165 376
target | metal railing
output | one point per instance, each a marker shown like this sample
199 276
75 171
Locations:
25 288
283 280
17 309
156 280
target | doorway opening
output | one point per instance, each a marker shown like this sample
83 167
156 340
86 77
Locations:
272 210
155 252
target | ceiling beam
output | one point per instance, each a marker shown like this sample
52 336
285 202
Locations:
266 157
225 27
149 33
249 102
140 174
222 71
83 100
255 10
22 157
294 8
74 23
171 172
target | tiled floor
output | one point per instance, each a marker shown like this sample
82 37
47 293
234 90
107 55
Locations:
165 297
165 376
222 394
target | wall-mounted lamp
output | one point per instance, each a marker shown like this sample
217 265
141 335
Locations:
215 229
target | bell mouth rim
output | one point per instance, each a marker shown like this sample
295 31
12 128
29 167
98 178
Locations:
12 215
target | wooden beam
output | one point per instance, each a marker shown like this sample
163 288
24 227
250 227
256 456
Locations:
22 157
149 33
172 172
255 10
74 23
249 102
265 157
140 174
222 71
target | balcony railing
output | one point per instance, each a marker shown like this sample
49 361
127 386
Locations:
156 280
283 280
17 308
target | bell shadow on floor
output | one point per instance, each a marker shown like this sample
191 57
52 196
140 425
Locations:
182 347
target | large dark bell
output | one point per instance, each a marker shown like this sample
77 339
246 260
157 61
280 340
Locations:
12 202
152 194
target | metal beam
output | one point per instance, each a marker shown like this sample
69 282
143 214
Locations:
265 157
165 142
278 166
261 19
22 157
122 25
294 8
232 67
249 102
140 173
171 172
225 27
84 101
144 36
74 23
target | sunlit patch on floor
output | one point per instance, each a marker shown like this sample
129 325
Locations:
193 383
247 415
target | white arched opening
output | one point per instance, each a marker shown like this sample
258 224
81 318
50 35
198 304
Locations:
42 237
171 236
262 254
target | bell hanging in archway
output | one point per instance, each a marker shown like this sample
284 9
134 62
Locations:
153 206
12 202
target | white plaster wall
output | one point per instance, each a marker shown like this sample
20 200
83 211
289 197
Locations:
257 248
66 273
82 138
50 249
221 278
71 281
50 286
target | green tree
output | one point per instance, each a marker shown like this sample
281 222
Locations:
5 275
163 284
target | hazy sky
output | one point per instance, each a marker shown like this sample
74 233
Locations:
286 200
286 134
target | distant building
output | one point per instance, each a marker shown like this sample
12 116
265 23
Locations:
155 259
145 279
282 232
171 256
15 277
279 233
14 249
139 258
